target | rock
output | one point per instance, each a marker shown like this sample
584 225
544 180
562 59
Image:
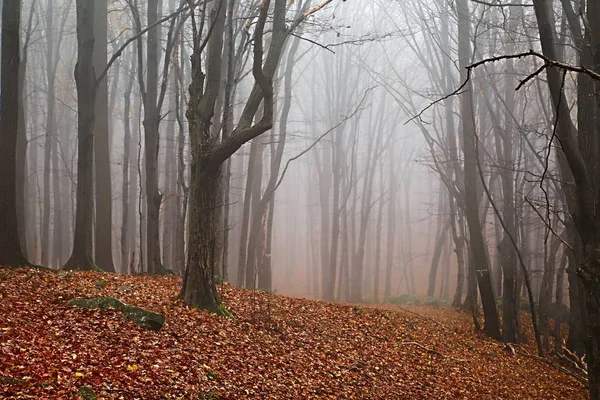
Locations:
144 318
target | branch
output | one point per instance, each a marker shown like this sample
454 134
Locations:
486 3
548 63
120 50
346 118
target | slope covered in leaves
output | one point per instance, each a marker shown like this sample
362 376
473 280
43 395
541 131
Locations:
273 348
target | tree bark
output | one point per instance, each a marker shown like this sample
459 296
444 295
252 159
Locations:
103 203
81 256
10 246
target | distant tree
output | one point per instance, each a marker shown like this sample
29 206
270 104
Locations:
10 246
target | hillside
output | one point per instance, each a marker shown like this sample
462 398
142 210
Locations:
273 347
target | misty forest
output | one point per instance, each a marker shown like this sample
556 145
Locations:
300 199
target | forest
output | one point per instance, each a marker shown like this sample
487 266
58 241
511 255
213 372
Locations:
298 199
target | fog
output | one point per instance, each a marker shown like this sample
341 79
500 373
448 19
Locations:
415 150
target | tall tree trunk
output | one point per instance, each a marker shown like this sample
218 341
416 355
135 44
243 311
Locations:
51 55
127 185
103 203
10 246
151 144
170 200
81 256
21 156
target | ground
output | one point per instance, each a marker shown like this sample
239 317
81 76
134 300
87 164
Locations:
273 347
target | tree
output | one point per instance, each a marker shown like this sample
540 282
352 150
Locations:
583 166
85 78
103 203
10 246
208 153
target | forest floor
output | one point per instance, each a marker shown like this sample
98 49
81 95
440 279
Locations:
273 347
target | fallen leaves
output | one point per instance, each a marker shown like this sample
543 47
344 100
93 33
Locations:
273 348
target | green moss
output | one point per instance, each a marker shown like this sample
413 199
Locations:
100 284
223 311
144 318
86 393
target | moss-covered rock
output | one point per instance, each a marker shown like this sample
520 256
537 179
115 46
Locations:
144 318
86 393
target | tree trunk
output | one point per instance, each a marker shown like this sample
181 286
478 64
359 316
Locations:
103 204
241 278
151 145
81 256
391 224
10 246
127 186
437 252
378 229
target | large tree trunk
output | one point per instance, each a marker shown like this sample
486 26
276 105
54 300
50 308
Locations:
81 256
10 247
103 204
204 228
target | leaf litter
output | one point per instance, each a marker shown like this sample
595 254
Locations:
273 347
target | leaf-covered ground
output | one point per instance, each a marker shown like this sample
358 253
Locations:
273 348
